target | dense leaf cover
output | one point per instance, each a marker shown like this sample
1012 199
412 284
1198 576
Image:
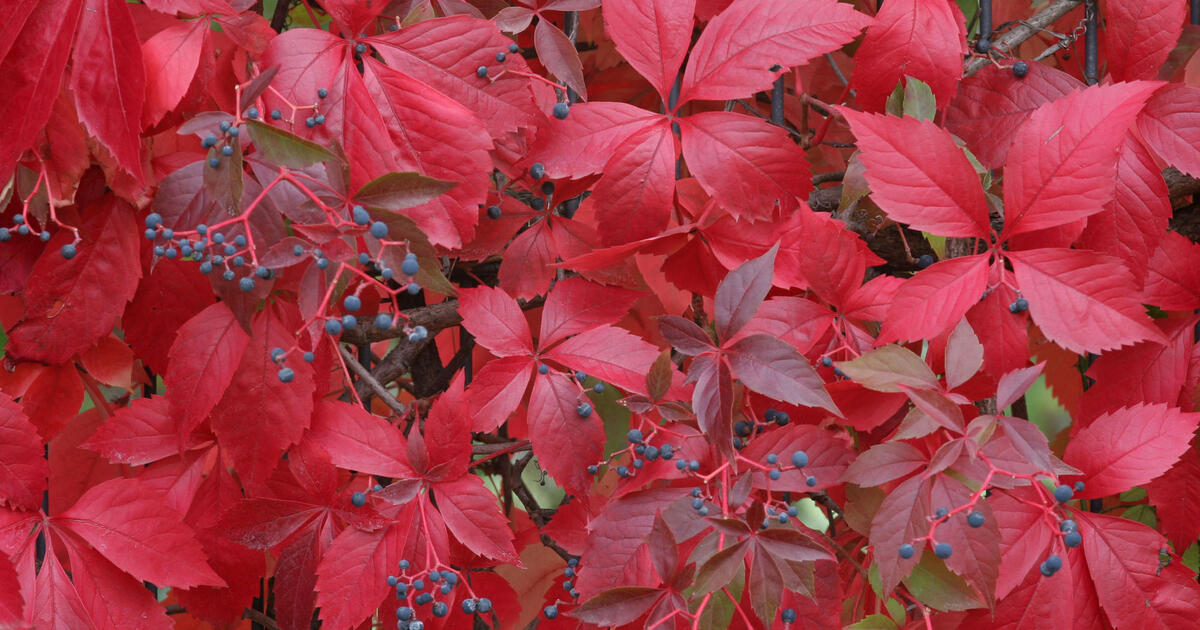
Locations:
598 313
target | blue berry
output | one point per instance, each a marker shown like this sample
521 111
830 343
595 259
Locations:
23 230
975 519
693 465
1020 69
702 511
230 250
1046 570
379 229
234 131
404 613
827 361
1072 539
451 578
772 458
277 353
229 275
276 114
573 562
252 113
513 48
208 142
413 288
170 253
774 475
1063 493
598 388
810 481
481 71
782 518
206 267
322 263
561 110
424 598
484 605
159 250
333 327
1054 563
309 357
799 459
352 303
224 126
263 272
349 321
1079 486
543 368
468 606
360 215
214 162
416 625
651 453
537 171
239 240
634 436
322 92
793 511
150 233
419 585
622 471
1067 525
907 551
227 150
392 580
440 609
410 267
501 56
493 212
680 464
580 376
551 611
593 469
358 499
943 550
67 251
404 565
383 321
941 512
434 576
218 238
788 615
238 261
286 375
360 48
667 451
695 492
742 428
319 119
310 122
637 463
781 419
569 572
584 410
18 219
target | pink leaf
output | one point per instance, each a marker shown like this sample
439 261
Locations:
1024 538
171 58
204 360
473 516
775 369
558 54
1014 384
140 433
931 302
564 443
576 305
637 189
902 517
735 54
615 535
496 321
794 320
1176 499
610 354
618 606
652 35
740 293
750 167
883 463
817 251
1173 275
919 176
1082 301
1129 447
109 82
1140 35
993 104
497 390
357 440
1063 158
11 601
923 39
586 140
23 470
129 525
1169 128
976 549
828 458
712 400
72 304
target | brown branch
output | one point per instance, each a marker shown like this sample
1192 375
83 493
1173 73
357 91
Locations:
365 377
259 618
1023 31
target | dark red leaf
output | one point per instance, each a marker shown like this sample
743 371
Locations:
741 292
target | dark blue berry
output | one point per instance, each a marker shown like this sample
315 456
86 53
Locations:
598 388
537 171
322 92
416 625
793 511
1020 69
418 585
309 357
637 463
252 113
622 471
349 321
1072 539
561 110
1067 525
333 327
827 361
799 459
383 321
484 605
493 212
1063 493
513 48
360 48
634 436
424 598
782 418
238 261
286 375
775 475
695 492
206 267
593 469
583 410
742 428
1046 570
67 251
379 229
501 56
976 519
352 303
322 263
234 132
150 233
680 464
159 250
404 613
772 459
693 465
702 511
404 565
468 606
23 230
218 238
451 578
208 142
983 45
440 609
537 203
310 122
360 214
224 126
1054 563
810 481
277 353
319 119
229 275
667 451
358 499
788 615
941 512
276 114
1079 486
651 453
569 572
263 272
481 71
171 252
943 550
550 611
410 267
239 240
214 162
907 551
543 368
413 288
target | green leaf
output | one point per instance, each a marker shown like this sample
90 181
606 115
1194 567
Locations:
286 149
873 622
932 584
397 191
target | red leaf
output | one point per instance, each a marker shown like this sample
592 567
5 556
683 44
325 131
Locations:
775 369
112 598
444 54
1129 447
750 167
140 433
734 55
976 549
828 457
818 252
684 335
1173 275
11 601
794 320
496 321
652 35
352 576
357 440
57 605
437 137
282 411
712 400
1004 335
526 269
473 515
901 518
1014 384
204 360
610 354
1082 301
1167 126
170 294
883 463
171 58
23 470
993 104
740 293
1045 599
611 559
558 54
352 16
1122 558
496 391
1139 36
585 141
33 59
919 176
931 302
1062 160
577 305
131 527
71 304
108 80
564 443
618 606
914 38
637 189
448 430
1176 500
1145 372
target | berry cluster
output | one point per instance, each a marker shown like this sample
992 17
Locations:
410 590
743 429
21 226
560 110
551 611
641 450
